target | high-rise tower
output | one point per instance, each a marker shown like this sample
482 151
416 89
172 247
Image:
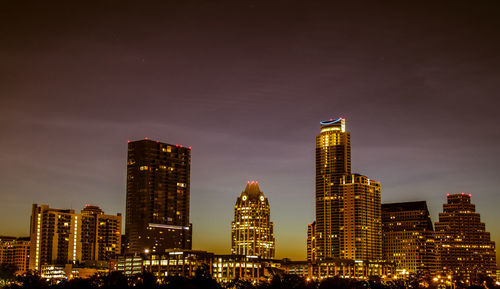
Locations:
348 216
333 160
158 182
465 249
407 235
252 229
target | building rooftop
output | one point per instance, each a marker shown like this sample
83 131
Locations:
406 206
252 190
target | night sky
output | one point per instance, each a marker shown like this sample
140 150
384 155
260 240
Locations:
245 83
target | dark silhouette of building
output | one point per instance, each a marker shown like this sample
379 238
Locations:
158 182
465 249
407 237
348 217
252 229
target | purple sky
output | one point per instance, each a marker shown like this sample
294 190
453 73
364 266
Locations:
245 83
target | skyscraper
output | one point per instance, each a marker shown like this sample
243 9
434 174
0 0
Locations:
465 249
252 229
158 188
408 237
348 217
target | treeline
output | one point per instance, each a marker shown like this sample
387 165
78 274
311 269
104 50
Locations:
202 280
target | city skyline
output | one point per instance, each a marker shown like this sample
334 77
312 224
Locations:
217 248
245 84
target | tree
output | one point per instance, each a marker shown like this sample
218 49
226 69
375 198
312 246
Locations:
7 273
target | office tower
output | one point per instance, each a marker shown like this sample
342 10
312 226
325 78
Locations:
348 217
465 249
61 236
158 176
100 234
311 242
54 236
407 235
15 251
252 229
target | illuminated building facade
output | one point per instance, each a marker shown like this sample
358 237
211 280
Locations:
252 229
100 234
61 236
158 188
227 268
311 242
407 237
343 268
360 229
15 251
348 212
54 237
465 249
185 263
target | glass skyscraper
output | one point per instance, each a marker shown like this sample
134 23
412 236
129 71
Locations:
158 188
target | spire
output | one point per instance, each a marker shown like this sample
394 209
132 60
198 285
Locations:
252 190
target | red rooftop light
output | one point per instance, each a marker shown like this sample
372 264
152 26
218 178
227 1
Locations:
181 145
176 146
189 147
146 138
447 195
470 195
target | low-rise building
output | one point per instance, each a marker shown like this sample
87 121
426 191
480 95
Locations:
226 268
15 251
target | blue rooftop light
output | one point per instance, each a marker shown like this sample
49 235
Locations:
326 122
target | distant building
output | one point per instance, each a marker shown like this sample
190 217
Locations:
338 267
69 271
100 234
360 229
227 268
158 188
252 230
61 236
465 249
55 237
15 251
311 242
408 237
348 217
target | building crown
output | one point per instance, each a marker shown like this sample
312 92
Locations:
331 124
252 191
